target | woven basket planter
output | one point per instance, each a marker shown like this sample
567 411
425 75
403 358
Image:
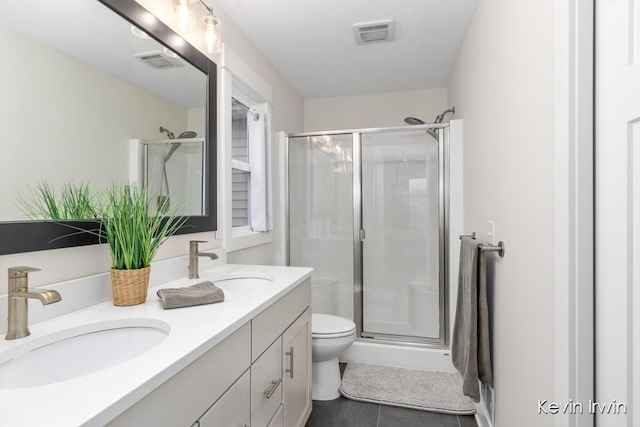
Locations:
130 286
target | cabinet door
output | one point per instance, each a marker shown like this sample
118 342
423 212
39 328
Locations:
232 409
278 419
297 371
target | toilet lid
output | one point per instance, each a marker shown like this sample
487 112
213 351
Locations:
326 324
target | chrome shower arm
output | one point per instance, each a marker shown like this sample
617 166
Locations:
440 118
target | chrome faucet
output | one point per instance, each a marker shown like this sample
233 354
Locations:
19 292
193 257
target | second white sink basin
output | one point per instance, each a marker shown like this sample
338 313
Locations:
74 352
240 276
240 280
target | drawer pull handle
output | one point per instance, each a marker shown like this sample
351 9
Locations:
274 386
290 354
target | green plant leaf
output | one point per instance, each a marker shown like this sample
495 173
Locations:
133 227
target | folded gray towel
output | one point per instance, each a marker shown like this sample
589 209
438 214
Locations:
198 294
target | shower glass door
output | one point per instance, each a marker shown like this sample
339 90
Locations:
321 218
401 210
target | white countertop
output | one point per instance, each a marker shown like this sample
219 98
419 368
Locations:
95 399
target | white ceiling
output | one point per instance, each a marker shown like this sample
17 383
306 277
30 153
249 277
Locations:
312 43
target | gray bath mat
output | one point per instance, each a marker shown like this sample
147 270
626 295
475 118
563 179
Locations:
409 388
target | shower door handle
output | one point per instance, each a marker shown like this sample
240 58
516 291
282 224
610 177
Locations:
363 235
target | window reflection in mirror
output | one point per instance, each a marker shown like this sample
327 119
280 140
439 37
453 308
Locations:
83 99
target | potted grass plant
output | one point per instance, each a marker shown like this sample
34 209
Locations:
134 228
131 224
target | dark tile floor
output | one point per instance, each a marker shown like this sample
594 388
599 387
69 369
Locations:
350 413
343 412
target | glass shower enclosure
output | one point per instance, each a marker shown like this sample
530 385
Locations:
367 210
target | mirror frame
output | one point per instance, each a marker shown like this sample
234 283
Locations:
31 236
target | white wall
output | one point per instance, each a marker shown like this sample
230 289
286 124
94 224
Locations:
65 264
502 87
373 111
196 121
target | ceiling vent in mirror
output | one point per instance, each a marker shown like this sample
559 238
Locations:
158 60
374 32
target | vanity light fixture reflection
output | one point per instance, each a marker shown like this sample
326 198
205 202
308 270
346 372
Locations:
209 27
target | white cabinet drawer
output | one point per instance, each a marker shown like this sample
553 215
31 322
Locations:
269 325
186 396
266 385
232 409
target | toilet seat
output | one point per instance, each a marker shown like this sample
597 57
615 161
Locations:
325 326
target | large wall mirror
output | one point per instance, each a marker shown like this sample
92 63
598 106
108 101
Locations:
85 88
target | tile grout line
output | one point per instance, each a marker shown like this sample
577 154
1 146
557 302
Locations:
378 421
458 418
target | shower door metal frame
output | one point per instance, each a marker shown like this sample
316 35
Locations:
358 232
358 273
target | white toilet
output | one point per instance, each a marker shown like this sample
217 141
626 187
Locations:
330 336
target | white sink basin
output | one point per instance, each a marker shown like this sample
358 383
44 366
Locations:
256 277
74 352
240 280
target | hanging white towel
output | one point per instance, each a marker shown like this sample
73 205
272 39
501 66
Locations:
260 197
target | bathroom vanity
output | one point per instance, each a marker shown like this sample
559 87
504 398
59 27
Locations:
243 362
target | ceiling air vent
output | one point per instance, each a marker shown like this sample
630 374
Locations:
374 32
158 60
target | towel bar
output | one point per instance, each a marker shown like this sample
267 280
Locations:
490 248
472 235
486 247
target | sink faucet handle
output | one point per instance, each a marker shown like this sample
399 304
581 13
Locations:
193 245
21 271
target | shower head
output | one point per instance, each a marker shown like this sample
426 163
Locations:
439 118
188 134
413 121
